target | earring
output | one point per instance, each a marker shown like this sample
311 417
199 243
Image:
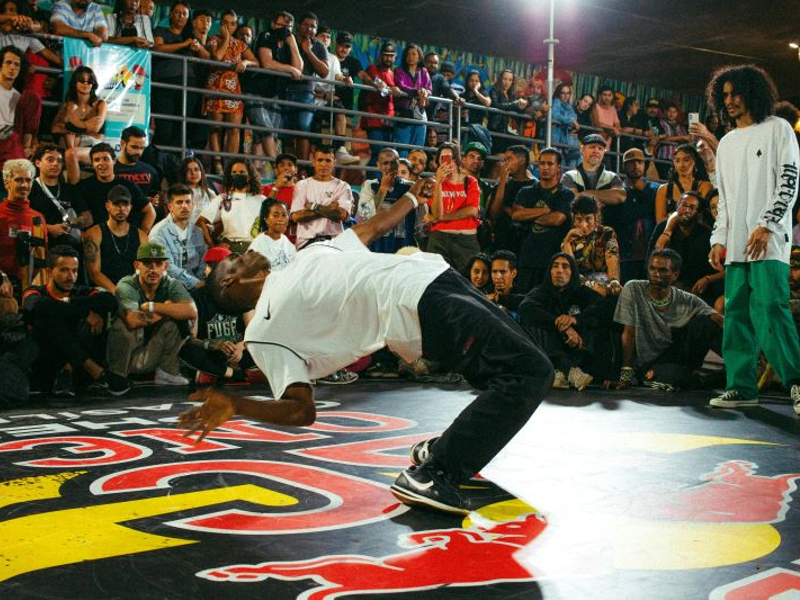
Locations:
137 272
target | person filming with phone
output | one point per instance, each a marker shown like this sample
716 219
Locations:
454 210
379 195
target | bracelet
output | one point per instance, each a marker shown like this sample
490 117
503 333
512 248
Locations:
666 234
413 199
313 207
205 345
627 375
151 307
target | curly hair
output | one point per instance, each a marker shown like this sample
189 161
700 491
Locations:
700 171
752 83
253 179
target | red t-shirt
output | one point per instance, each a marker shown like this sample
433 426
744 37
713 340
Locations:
374 102
14 217
456 196
284 196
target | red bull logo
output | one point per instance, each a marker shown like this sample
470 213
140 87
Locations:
435 558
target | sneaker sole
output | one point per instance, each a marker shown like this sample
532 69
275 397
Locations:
411 499
117 392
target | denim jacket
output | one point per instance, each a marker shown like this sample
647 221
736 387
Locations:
563 116
190 271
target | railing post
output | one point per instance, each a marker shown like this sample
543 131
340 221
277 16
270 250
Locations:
184 104
458 124
450 122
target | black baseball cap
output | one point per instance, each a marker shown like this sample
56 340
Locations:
286 156
119 193
388 48
344 37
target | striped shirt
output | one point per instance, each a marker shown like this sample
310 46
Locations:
91 19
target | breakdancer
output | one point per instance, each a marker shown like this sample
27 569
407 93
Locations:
338 302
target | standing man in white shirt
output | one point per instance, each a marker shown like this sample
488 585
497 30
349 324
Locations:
757 170
321 203
351 303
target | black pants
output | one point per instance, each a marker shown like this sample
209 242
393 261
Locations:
469 334
61 342
691 343
562 356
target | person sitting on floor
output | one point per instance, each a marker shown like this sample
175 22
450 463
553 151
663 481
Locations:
563 317
68 323
504 272
667 332
480 273
594 247
184 242
151 324
110 247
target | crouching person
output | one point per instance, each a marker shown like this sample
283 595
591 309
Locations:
152 322
569 321
68 323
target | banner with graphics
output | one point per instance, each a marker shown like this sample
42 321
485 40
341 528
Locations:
123 78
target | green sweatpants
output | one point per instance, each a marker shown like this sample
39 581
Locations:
757 317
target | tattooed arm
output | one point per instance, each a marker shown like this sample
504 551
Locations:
92 238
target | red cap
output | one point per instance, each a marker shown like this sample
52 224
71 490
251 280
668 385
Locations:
216 254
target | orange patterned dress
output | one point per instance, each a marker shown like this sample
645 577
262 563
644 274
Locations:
225 80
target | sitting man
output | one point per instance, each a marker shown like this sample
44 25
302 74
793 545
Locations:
563 317
380 194
504 272
68 322
594 247
592 176
688 232
794 286
152 322
110 247
64 213
19 225
667 332
412 304
94 189
320 203
183 241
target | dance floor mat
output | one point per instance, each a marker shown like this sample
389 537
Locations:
635 495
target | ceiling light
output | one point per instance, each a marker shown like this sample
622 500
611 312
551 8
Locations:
794 45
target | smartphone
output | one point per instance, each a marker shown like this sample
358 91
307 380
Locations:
394 165
694 117
447 159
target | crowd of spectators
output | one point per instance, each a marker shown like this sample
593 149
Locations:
104 255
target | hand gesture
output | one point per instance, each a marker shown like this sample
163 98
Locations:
241 66
94 40
700 286
6 289
443 172
387 180
564 322
573 338
217 408
757 243
95 322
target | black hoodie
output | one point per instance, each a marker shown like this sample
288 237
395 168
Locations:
545 302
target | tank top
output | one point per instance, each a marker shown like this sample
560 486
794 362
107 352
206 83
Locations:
118 253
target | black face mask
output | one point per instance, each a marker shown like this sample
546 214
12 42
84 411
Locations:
239 181
281 33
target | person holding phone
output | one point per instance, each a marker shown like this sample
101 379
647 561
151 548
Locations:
379 195
455 207
282 189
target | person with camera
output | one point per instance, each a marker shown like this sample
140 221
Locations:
380 194
455 207
65 214
21 227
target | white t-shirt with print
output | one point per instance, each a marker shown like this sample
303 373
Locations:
280 252
237 221
335 303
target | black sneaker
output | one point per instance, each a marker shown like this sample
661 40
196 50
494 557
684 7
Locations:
63 386
421 451
429 487
116 385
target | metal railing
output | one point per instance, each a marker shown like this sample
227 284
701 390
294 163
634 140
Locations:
452 127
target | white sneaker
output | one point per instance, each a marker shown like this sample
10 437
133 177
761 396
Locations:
343 157
732 399
164 378
560 382
578 379
794 394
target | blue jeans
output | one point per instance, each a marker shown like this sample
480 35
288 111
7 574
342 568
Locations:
408 134
379 134
299 119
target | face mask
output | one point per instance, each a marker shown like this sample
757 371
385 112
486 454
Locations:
281 33
239 181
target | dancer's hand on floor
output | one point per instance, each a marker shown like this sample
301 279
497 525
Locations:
217 408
